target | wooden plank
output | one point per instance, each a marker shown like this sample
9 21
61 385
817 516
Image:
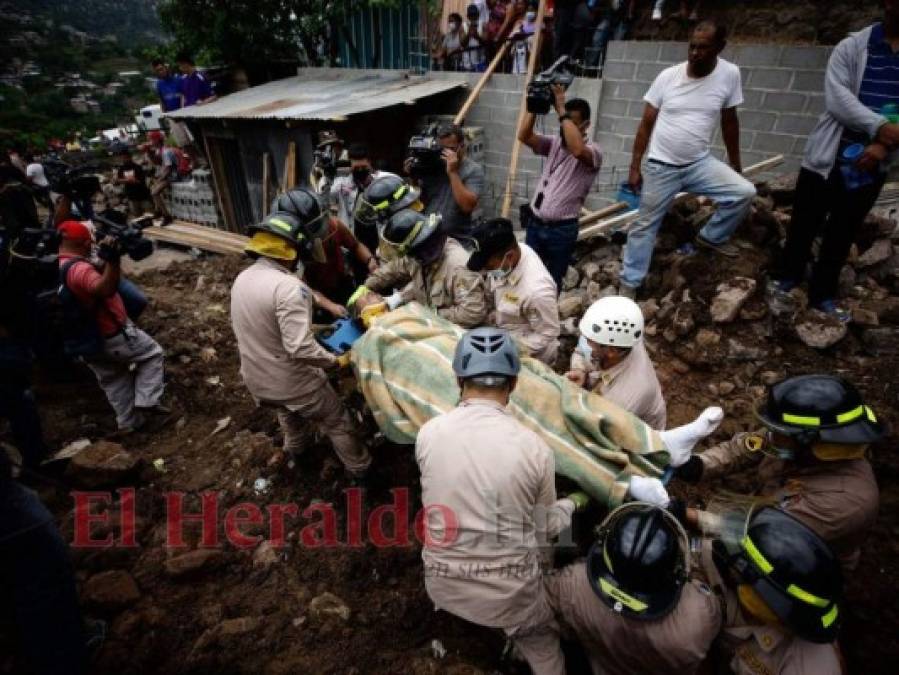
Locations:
473 96
217 180
221 186
290 168
196 230
589 217
200 237
164 234
522 111
265 181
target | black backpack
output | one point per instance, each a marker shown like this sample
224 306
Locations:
80 333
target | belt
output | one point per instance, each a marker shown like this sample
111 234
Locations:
672 166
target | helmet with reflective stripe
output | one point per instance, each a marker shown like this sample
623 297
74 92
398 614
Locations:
486 351
281 224
820 408
790 568
408 230
306 206
639 563
383 198
615 321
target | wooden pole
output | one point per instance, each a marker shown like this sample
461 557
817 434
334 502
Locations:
265 184
473 96
612 209
522 111
290 167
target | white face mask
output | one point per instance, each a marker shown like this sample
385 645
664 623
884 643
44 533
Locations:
497 276
585 348
530 17
453 27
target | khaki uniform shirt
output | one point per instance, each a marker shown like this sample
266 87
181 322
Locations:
756 649
526 304
632 384
447 286
838 500
488 484
616 645
271 314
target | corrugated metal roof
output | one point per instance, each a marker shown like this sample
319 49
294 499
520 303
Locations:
321 94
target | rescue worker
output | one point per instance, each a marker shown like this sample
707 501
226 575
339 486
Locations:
811 460
382 198
280 361
611 359
634 603
524 295
489 492
781 590
429 267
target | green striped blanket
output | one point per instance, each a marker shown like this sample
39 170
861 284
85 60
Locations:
404 367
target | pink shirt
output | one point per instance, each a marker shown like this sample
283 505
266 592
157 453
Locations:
566 180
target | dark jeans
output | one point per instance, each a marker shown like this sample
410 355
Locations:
554 243
824 208
37 584
563 31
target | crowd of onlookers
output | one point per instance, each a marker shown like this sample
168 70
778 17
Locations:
580 29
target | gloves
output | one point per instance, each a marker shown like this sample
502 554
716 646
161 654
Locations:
649 490
580 500
394 301
679 442
343 360
691 471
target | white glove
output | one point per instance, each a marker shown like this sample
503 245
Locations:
649 490
394 300
680 441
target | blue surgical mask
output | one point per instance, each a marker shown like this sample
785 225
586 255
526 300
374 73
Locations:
499 274
584 348
530 17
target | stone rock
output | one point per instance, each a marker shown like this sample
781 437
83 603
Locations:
227 628
887 310
569 327
103 464
191 562
265 555
707 338
650 309
590 271
679 366
571 279
880 250
737 351
570 305
731 297
683 322
769 377
327 605
864 317
848 278
725 388
783 188
819 330
111 590
593 292
882 341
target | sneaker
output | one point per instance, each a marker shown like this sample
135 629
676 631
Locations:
725 248
628 292
158 409
831 308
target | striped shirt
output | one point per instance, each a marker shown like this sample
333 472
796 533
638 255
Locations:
880 83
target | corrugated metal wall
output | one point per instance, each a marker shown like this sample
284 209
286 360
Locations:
398 27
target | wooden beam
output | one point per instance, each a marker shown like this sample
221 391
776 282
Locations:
223 193
265 185
290 167
522 111
218 182
158 233
473 96
612 209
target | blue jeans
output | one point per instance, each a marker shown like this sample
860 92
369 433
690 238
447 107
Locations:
554 243
707 177
615 26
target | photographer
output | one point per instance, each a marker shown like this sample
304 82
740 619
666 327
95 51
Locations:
345 192
572 162
454 193
131 393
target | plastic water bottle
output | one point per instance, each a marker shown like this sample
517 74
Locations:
852 177
891 112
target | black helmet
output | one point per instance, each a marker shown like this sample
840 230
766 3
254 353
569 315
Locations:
638 565
820 408
306 206
383 198
791 568
408 231
288 227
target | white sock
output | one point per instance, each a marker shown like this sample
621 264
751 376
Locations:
680 441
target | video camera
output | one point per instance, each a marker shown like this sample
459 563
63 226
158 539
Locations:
426 153
130 236
539 94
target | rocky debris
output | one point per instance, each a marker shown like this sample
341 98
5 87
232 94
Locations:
265 555
864 317
819 330
880 251
882 341
328 605
226 629
192 562
110 591
571 279
730 298
707 338
571 304
103 464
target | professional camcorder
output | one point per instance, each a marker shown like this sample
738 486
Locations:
426 153
129 236
540 95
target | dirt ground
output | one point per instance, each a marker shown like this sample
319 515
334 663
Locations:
250 611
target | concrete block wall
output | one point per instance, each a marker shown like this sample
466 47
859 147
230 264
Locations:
194 200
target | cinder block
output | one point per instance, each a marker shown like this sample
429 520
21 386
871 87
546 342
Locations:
815 105
619 70
769 78
757 121
808 80
747 56
642 51
777 101
607 122
625 126
635 109
492 97
799 146
804 57
752 99
620 160
610 142
612 106
800 125
647 72
673 52
766 142
616 50
633 91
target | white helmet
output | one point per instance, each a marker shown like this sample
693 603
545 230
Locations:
615 321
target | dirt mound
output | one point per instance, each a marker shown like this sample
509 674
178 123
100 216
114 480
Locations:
338 594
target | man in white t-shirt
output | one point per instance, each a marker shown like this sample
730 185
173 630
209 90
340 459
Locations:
683 107
34 171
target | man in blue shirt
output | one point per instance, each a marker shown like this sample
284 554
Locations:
168 87
195 87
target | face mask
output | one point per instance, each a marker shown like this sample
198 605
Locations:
585 349
530 16
453 27
499 274
361 175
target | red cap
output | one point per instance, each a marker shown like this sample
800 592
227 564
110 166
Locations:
74 231
155 137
